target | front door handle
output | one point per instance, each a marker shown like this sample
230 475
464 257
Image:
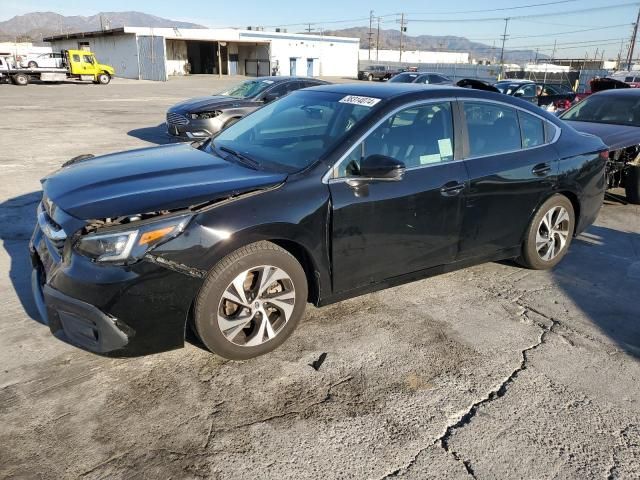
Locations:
451 189
541 169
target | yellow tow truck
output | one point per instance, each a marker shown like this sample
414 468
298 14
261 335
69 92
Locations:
78 65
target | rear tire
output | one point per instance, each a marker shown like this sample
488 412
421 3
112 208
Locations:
32 64
632 184
236 315
549 234
20 79
104 78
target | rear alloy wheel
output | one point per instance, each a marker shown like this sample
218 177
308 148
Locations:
370 77
32 64
251 301
104 78
549 234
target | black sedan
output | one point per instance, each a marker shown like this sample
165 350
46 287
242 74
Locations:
325 194
205 116
614 116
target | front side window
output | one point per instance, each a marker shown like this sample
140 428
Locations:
528 90
294 132
417 136
492 128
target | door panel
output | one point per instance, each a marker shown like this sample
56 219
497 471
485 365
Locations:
395 227
505 188
388 228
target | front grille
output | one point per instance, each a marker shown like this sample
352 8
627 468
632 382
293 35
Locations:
177 119
49 227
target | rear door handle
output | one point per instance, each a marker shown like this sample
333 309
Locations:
541 169
451 189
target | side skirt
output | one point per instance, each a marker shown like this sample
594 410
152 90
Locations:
418 275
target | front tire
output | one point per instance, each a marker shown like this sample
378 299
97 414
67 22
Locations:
369 77
104 78
251 301
549 234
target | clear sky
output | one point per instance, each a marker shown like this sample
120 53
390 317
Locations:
581 30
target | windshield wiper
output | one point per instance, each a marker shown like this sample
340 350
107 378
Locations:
246 161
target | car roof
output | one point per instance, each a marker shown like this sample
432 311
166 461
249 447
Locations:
515 80
620 92
283 78
382 90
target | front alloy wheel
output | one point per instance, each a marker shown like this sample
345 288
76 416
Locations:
251 301
256 306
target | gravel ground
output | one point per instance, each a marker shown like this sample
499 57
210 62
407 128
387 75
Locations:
488 372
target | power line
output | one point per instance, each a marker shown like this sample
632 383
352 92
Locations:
519 17
493 9
556 33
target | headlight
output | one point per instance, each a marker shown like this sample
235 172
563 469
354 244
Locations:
203 115
130 244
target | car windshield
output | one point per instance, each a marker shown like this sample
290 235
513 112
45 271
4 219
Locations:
294 132
507 88
404 78
248 89
617 110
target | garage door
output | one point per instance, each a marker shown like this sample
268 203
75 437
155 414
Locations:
151 56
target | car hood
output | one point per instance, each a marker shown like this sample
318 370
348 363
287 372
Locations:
614 136
202 104
148 180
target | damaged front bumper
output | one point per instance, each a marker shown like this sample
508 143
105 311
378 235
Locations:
109 309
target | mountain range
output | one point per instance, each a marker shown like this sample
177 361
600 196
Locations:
34 26
390 39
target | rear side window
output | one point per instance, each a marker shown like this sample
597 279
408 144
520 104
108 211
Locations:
492 129
532 129
76 58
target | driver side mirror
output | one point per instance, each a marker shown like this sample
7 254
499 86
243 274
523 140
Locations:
381 167
270 97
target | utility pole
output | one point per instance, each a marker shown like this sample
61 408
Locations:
595 55
370 31
403 29
378 40
309 28
504 39
619 62
633 41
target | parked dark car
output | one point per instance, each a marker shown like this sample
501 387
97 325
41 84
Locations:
325 194
541 94
377 72
421 77
614 116
204 116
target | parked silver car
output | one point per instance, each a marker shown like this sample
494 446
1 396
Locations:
204 116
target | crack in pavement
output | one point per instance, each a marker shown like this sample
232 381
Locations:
466 418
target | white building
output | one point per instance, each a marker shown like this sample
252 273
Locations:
16 49
155 53
414 56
